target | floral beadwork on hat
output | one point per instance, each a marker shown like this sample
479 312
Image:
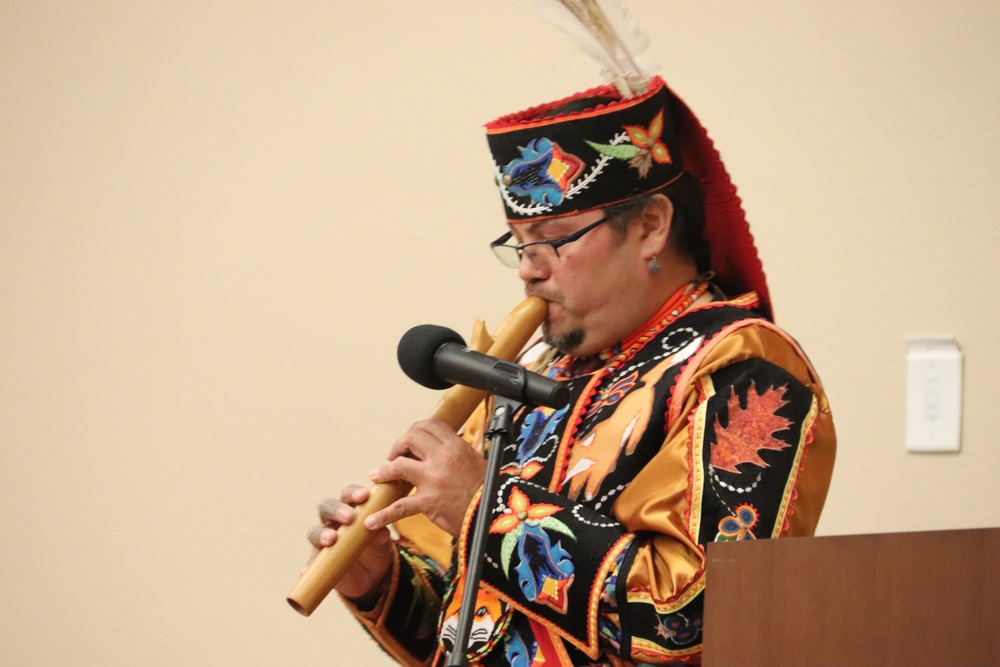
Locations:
645 148
543 172
549 163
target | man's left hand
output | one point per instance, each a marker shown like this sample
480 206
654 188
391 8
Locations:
446 471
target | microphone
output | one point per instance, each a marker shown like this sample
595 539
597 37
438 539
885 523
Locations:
436 357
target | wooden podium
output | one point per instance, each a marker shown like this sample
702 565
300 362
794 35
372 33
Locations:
926 598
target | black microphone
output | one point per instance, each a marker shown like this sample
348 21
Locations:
437 357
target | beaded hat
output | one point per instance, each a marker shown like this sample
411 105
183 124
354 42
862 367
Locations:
604 146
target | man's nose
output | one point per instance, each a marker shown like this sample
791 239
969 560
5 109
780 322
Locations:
528 271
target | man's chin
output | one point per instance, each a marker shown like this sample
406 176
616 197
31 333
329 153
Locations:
567 342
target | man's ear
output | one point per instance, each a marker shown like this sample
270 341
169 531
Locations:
654 225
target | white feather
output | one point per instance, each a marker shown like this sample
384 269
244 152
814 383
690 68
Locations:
609 34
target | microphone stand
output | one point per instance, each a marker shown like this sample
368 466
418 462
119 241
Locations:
500 434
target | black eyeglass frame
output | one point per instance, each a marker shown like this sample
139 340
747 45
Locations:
501 242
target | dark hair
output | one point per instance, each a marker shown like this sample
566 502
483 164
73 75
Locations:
688 224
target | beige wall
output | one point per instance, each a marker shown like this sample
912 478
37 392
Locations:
217 218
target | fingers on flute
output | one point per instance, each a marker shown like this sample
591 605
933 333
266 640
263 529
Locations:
420 439
403 468
398 510
321 536
335 513
354 494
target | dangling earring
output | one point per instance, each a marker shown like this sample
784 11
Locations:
653 266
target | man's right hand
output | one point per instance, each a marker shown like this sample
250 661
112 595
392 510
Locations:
363 582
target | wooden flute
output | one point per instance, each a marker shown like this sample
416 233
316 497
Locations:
455 406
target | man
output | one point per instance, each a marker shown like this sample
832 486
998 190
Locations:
693 417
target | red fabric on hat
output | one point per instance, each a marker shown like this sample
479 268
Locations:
735 261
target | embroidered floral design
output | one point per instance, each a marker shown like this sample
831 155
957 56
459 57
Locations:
645 148
738 527
544 172
524 471
545 570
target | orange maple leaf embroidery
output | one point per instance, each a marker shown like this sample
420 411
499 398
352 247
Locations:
749 430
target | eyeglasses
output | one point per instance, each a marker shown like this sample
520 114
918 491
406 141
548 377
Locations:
543 254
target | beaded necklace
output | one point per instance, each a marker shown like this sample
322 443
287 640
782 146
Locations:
673 308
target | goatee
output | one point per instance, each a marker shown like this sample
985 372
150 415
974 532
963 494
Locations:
566 342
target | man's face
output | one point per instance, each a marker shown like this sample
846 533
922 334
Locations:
593 290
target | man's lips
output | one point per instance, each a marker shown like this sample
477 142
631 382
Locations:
545 296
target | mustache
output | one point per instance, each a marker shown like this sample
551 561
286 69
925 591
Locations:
549 296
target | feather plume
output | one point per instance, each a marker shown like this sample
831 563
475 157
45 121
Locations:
607 33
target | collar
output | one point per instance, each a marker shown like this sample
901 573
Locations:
679 302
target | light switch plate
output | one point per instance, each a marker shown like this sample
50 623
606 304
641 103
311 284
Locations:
933 394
